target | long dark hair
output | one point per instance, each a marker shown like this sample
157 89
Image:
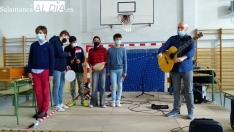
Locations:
96 37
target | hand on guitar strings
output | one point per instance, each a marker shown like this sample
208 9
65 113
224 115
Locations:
180 59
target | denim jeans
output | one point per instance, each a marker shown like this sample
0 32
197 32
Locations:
116 79
188 89
58 86
98 77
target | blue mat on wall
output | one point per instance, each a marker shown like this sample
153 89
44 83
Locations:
142 66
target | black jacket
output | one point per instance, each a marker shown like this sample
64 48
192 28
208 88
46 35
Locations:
76 53
59 55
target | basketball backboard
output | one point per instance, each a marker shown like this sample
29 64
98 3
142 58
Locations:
143 11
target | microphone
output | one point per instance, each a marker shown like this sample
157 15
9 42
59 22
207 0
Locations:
154 106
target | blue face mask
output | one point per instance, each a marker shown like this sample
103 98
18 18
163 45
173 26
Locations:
181 33
40 37
118 42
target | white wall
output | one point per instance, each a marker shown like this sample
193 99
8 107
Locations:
18 24
212 14
166 19
84 21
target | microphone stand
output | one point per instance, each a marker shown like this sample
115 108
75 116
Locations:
143 85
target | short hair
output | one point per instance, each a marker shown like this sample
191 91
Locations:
96 37
72 39
64 32
42 28
117 35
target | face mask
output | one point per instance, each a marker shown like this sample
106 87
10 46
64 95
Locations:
40 37
64 40
96 44
74 44
118 42
181 33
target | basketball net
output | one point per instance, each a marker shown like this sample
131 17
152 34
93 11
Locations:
126 20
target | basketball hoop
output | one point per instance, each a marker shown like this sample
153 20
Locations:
126 20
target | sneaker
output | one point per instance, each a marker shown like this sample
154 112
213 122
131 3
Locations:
103 106
72 104
190 115
113 104
174 112
58 108
85 104
118 103
90 106
64 106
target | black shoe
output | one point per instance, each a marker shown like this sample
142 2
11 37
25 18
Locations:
41 115
35 116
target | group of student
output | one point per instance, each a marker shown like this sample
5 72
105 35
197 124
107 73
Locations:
49 62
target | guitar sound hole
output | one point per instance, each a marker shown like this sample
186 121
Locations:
172 56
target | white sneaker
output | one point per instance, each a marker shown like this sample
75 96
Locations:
113 104
103 106
90 106
64 106
118 103
58 108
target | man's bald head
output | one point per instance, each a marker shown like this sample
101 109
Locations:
182 29
182 26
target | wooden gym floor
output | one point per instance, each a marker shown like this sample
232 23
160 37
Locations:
135 115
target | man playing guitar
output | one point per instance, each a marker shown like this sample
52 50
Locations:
182 69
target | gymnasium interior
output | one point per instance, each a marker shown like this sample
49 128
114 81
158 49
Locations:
145 26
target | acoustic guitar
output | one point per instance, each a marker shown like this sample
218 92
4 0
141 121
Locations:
168 58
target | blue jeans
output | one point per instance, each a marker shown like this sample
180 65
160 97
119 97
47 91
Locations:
58 86
98 76
116 79
188 88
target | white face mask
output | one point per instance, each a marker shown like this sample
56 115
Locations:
74 44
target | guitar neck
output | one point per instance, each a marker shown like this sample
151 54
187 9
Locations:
184 46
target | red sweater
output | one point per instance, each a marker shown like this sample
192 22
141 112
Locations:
97 55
